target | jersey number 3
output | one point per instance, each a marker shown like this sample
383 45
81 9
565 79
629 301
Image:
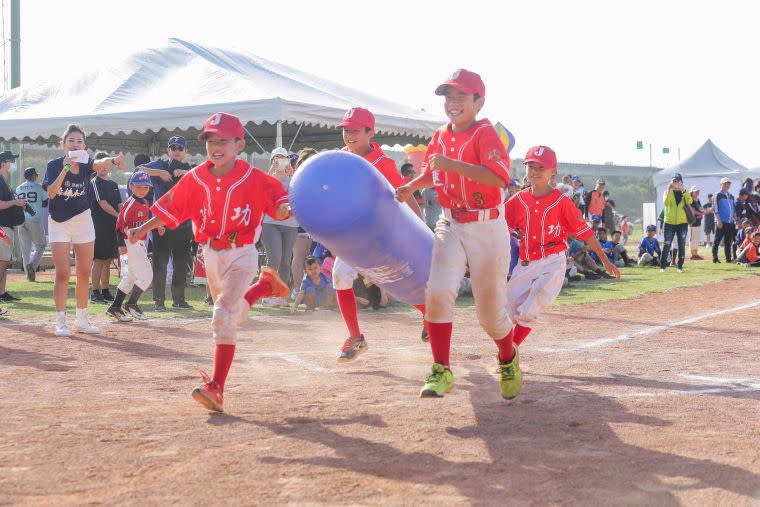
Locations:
478 198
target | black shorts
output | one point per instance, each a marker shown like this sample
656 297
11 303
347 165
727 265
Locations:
105 240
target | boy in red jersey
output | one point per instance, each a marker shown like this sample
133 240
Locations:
134 213
358 128
225 198
469 167
544 216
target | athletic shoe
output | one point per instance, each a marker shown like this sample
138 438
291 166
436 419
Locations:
424 336
209 394
159 307
510 376
85 326
439 382
716 261
592 276
97 298
3 311
606 275
270 302
181 305
118 314
135 311
575 278
279 288
8 298
30 274
680 270
352 347
662 270
208 300
61 329
107 295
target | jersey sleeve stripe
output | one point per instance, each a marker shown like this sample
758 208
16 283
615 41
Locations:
163 214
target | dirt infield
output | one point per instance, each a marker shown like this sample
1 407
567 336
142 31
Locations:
613 411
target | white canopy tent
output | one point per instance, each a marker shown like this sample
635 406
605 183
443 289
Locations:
137 104
704 168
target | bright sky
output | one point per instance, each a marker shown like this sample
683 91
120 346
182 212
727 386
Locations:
588 78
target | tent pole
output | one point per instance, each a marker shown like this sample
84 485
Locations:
290 148
255 140
278 138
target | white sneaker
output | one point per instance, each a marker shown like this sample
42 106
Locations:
272 302
61 329
662 270
85 326
680 270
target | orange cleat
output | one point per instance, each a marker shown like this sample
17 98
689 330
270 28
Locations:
279 288
209 394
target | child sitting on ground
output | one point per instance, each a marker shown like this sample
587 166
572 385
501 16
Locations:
649 248
316 290
601 236
582 259
749 256
620 256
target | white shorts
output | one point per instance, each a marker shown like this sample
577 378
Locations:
78 229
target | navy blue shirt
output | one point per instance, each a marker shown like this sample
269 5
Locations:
73 196
160 187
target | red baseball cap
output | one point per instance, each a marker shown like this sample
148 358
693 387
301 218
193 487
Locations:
542 155
225 125
465 81
358 118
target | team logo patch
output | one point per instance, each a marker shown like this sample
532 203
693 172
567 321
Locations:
539 151
455 75
496 155
140 214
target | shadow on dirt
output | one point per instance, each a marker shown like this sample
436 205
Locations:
556 443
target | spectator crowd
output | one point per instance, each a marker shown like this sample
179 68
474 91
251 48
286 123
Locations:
85 204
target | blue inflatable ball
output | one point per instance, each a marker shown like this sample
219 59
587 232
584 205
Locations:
348 206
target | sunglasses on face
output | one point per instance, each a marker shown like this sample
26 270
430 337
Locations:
176 147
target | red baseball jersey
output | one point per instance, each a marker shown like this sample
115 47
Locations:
2 233
544 222
480 145
384 164
134 212
222 207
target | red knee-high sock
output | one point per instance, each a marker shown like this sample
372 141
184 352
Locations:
257 291
223 355
521 332
506 347
347 305
440 341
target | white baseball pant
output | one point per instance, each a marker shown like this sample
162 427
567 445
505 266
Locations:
229 273
483 247
139 270
532 288
343 275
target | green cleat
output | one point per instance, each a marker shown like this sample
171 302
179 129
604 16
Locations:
438 383
511 377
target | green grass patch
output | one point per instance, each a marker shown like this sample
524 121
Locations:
37 297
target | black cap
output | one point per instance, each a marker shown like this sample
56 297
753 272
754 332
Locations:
7 155
29 172
743 191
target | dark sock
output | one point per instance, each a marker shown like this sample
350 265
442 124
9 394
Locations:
96 292
135 295
119 298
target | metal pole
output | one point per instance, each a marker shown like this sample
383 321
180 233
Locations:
278 138
650 154
15 43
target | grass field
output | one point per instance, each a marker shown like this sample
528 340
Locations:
37 296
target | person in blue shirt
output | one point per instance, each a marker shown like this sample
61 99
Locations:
67 181
649 248
316 288
31 233
175 243
607 248
725 222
